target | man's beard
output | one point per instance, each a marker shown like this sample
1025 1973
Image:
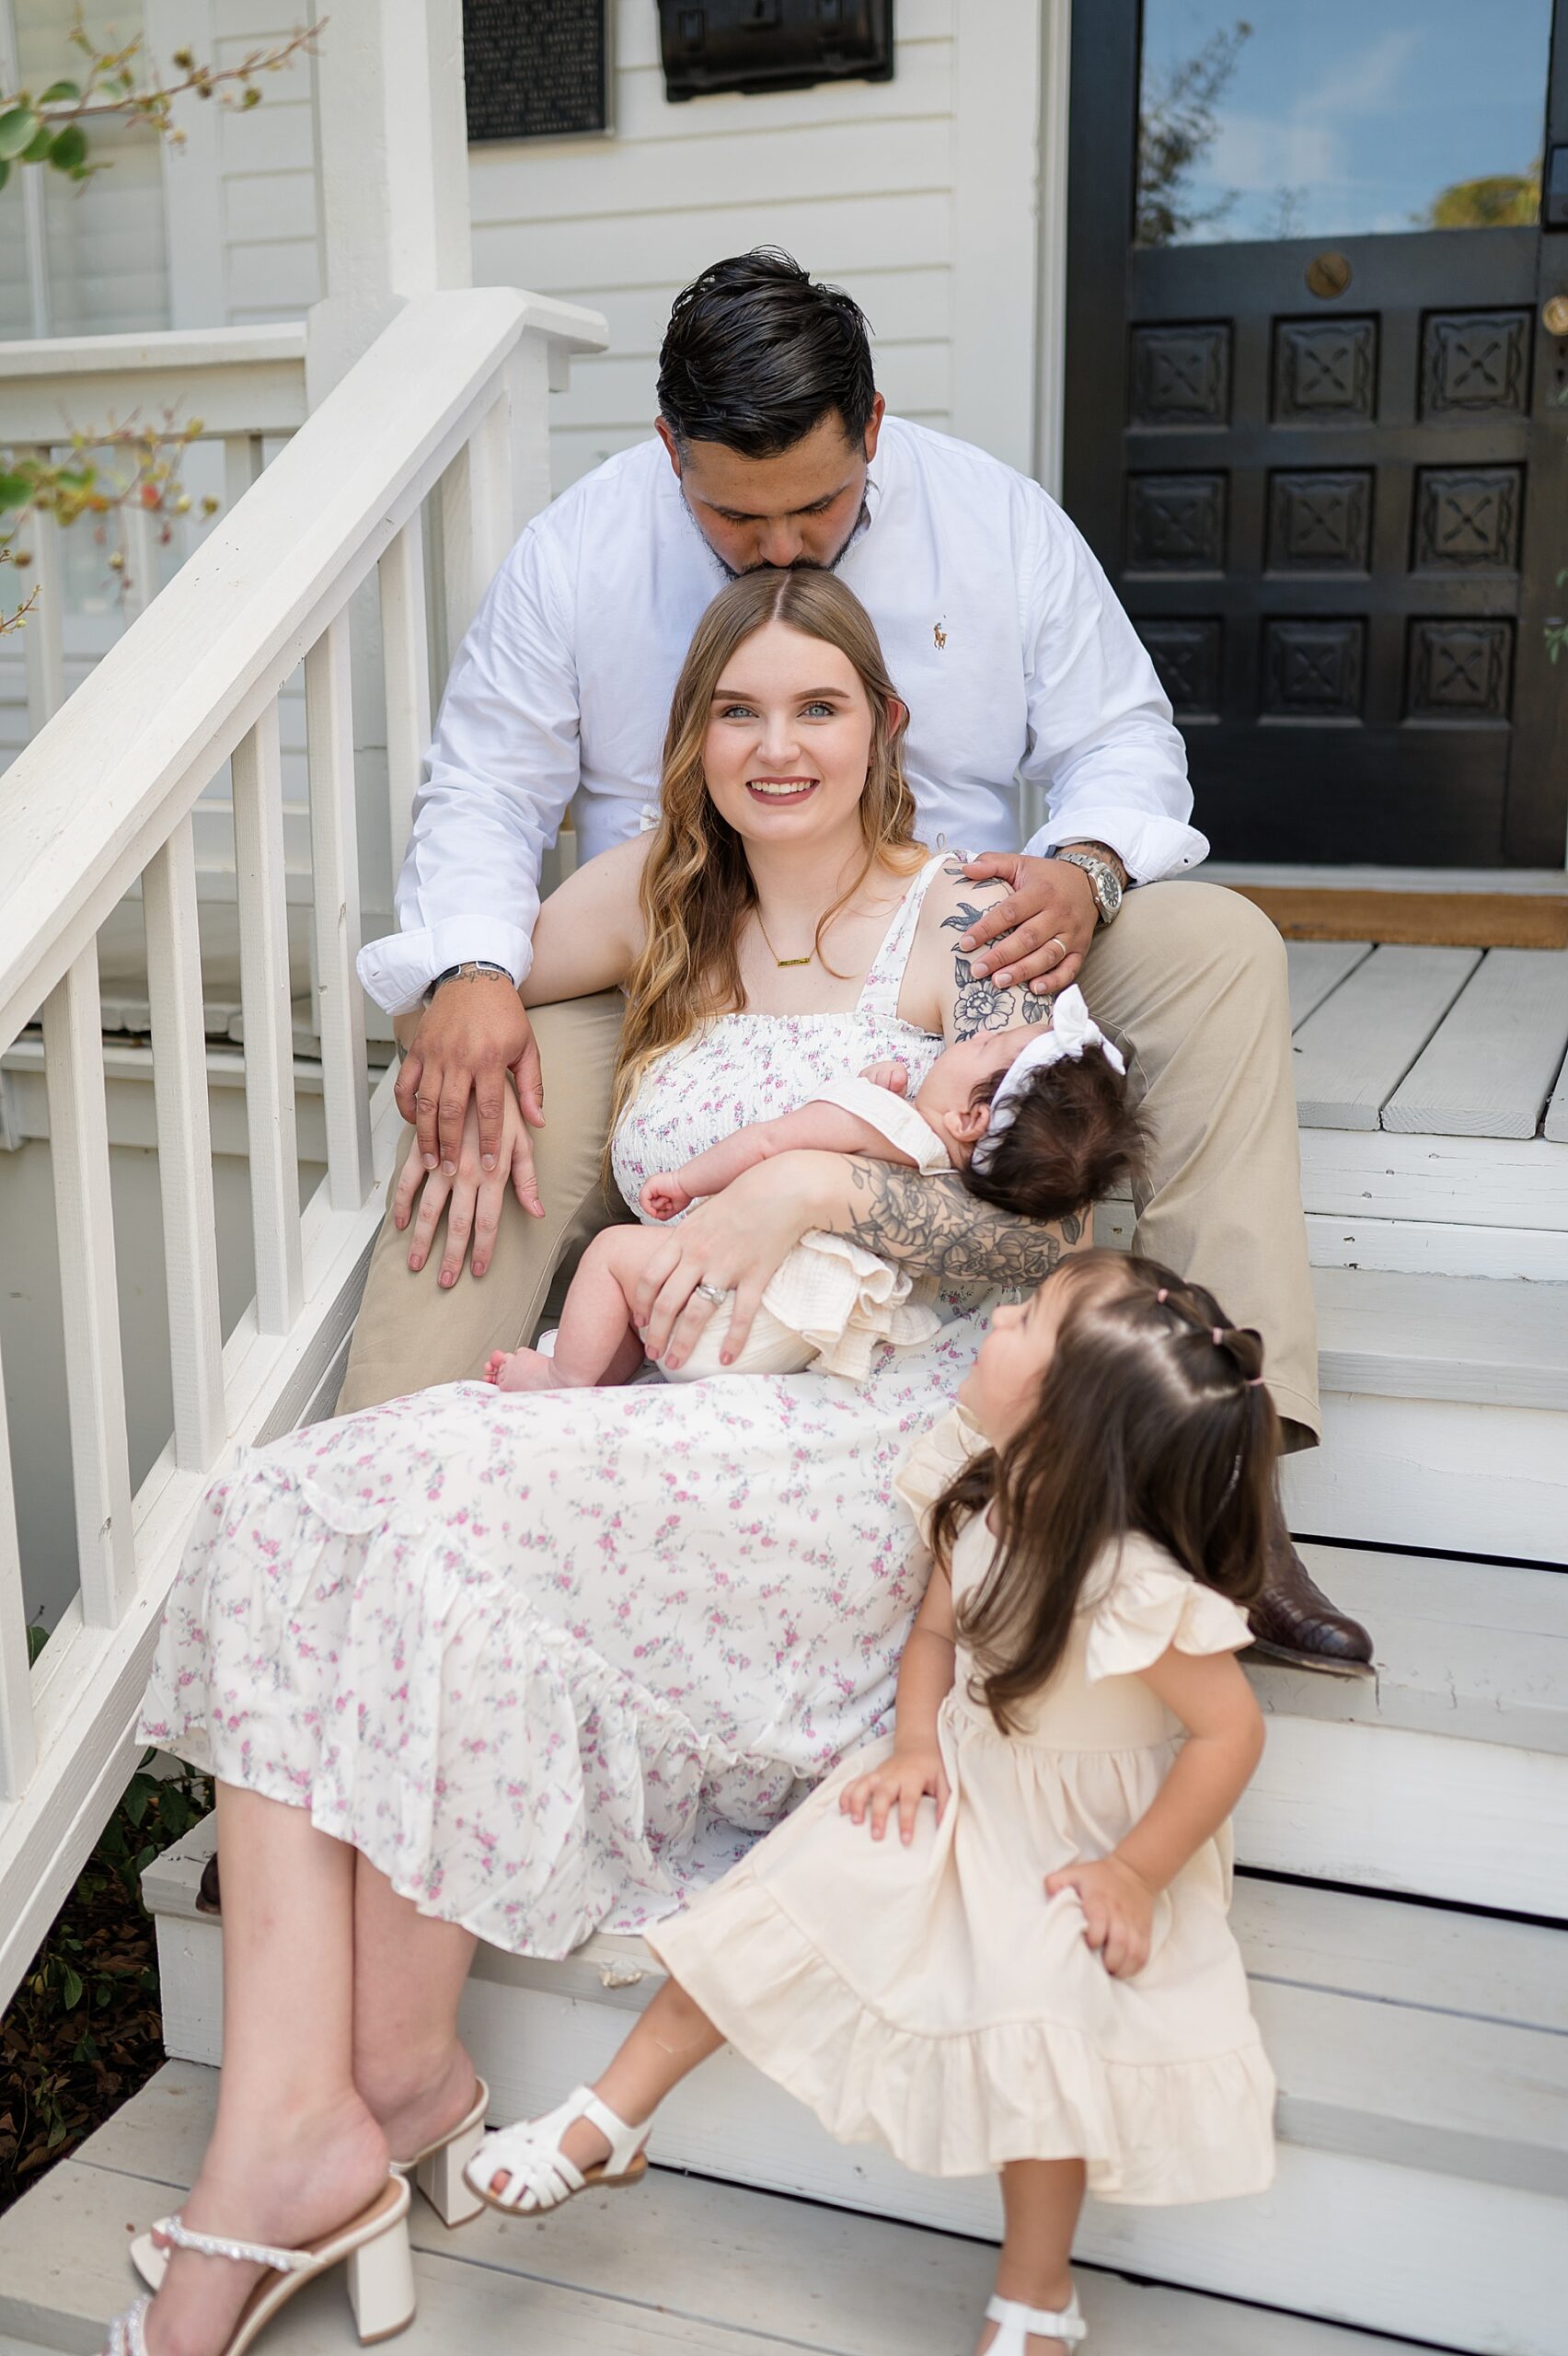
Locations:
801 563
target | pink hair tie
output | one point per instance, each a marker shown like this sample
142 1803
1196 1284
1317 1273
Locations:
1217 1334
1162 1296
1254 1381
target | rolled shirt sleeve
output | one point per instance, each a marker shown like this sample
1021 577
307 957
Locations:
1102 741
502 772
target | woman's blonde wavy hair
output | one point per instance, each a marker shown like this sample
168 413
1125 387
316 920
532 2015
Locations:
696 888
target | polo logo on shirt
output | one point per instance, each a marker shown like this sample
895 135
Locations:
938 636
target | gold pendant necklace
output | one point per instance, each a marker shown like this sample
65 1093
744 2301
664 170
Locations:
782 962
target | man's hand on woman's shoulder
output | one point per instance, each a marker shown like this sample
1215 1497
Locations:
1038 931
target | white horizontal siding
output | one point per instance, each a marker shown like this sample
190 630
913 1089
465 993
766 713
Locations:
270 239
855 178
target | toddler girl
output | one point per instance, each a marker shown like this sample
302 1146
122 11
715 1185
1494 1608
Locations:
1035 1973
1036 1121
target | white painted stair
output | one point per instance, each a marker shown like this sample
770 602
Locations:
1422 2051
1444 1415
682 2267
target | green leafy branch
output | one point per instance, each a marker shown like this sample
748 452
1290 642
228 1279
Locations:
51 128
134 466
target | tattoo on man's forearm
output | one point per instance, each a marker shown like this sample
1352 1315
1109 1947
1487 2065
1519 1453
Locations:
978 1004
938 1230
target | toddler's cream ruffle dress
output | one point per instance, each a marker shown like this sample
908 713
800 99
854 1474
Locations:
931 1999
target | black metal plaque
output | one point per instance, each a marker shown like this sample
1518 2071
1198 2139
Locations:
536 69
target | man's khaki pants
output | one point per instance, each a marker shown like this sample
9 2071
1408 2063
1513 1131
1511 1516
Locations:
1189 977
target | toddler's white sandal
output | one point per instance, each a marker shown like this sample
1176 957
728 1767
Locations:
1020 2324
539 2176
373 2247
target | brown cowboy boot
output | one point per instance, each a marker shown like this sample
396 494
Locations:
1293 1620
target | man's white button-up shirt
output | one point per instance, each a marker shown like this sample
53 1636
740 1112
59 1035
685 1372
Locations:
1000 632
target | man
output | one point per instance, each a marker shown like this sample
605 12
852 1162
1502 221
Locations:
1017 664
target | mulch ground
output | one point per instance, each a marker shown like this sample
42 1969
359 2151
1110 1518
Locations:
85 2030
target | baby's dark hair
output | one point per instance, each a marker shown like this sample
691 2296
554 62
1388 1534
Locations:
1152 1416
1075 1137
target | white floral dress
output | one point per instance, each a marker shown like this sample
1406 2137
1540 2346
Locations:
550 1660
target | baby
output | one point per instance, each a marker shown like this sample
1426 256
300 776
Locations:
1036 1120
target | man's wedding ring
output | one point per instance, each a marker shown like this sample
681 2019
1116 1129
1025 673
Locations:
1061 945
715 1293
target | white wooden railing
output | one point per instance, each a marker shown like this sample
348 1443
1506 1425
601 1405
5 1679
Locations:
245 385
449 406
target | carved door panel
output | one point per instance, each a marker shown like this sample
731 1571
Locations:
1328 472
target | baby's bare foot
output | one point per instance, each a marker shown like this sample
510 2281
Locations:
665 1197
522 1370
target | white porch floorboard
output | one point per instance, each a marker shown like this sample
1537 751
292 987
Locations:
683 2263
1430 1042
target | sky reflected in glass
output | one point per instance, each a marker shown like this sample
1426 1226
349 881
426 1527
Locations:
1338 118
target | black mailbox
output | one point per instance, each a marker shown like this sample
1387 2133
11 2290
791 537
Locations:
773 44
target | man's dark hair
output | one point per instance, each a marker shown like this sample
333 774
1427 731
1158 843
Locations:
757 354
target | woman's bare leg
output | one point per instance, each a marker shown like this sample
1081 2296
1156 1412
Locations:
666 2044
408 1973
1040 2200
294 2149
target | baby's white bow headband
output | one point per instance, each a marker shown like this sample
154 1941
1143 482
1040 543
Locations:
1073 1029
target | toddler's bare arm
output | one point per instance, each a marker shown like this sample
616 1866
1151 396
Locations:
822 1128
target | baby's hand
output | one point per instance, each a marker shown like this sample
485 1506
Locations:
1118 1910
889 1075
901 1781
663 1197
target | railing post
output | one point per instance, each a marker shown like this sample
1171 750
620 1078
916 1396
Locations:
405 642
334 896
18 1742
257 783
476 518
84 1218
185 1148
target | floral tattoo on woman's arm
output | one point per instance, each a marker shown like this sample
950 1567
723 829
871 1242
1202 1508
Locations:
941 1230
978 1004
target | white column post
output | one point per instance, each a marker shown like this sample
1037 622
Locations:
393 166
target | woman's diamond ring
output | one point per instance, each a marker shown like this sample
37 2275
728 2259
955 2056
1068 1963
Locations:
715 1293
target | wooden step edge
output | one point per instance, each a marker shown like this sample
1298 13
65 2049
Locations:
1469 1650
1476 1340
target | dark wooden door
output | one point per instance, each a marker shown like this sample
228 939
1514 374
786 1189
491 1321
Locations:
1328 473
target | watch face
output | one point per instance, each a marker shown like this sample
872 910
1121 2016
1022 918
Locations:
1108 889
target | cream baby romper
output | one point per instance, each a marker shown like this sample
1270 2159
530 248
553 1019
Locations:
932 1999
831 1303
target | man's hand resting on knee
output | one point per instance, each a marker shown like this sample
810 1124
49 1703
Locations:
470 1036
471 1086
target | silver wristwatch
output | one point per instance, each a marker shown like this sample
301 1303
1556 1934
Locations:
1103 880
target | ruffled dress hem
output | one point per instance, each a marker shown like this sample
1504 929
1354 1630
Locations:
966 2102
662 1760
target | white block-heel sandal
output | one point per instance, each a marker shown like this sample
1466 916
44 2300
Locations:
438 2169
373 2248
539 2176
1019 2325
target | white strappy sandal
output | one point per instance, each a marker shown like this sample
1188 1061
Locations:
437 2171
373 2247
1020 2324
539 2175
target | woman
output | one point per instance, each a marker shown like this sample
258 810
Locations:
522 1667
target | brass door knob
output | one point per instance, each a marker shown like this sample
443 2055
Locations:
1329 274
1554 315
